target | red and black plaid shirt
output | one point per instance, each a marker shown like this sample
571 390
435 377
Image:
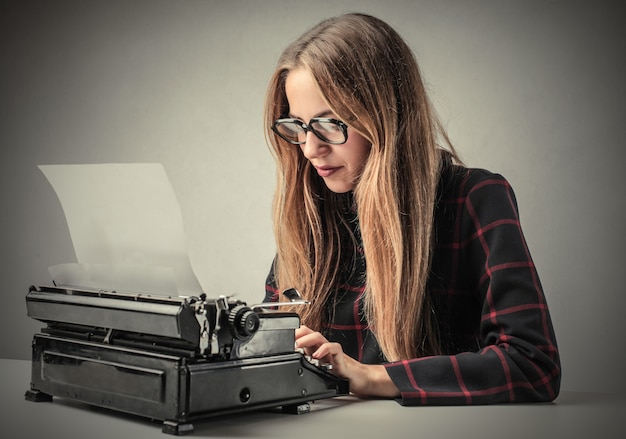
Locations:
494 326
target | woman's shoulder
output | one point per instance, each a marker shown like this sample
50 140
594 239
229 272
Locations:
459 181
472 200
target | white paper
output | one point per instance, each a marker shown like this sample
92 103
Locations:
126 227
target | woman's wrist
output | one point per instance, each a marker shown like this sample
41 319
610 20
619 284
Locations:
373 381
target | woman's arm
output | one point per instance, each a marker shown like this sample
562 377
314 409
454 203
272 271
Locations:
516 359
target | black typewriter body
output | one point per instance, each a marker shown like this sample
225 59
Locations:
174 360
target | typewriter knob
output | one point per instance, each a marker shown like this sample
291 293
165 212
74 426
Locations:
243 322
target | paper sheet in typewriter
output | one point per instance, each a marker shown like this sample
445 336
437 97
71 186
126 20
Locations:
126 228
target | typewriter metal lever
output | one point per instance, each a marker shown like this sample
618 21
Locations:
294 296
221 306
201 316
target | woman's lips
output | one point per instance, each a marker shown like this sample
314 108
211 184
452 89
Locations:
326 171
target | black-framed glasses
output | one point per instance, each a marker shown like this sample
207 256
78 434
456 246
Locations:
294 131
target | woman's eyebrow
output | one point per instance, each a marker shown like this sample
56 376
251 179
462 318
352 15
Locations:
325 113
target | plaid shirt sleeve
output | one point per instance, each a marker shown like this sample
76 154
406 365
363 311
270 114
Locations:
484 256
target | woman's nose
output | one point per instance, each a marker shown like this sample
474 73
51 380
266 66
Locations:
314 147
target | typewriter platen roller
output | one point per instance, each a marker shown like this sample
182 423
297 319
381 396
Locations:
171 359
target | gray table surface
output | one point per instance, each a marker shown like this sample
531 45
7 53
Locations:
572 415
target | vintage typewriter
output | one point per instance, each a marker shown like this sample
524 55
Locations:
171 359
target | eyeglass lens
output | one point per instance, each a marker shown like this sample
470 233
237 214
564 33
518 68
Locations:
326 129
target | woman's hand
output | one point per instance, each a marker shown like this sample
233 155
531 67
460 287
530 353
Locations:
365 380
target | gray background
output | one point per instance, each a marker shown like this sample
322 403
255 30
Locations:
529 89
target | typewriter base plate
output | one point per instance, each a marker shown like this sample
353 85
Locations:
173 389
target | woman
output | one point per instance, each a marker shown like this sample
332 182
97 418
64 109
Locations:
420 282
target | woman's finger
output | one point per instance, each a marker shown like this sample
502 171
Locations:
303 330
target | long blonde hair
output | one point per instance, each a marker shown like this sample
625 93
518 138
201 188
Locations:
370 79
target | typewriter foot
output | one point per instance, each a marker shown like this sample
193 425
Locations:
176 428
297 409
37 396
